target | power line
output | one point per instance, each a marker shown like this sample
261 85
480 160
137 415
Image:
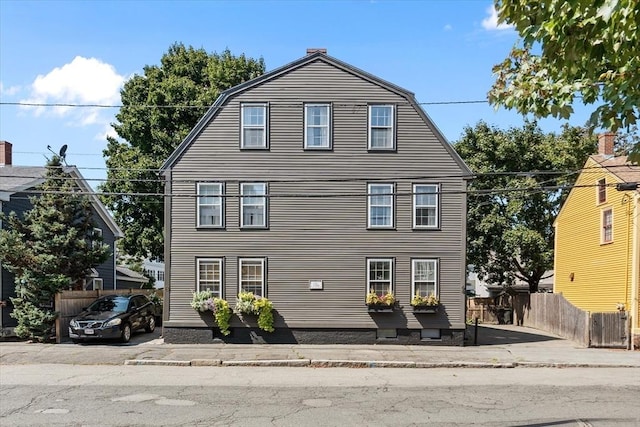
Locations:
170 106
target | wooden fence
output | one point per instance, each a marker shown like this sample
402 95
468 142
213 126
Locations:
553 313
70 303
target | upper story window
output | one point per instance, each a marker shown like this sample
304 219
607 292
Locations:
252 277
380 276
96 239
381 206
426 205
210 204
253 205
210 276
607 226
602 191
254 126
381 127
424 277
317 126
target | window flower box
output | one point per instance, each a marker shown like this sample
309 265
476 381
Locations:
380 303
425 304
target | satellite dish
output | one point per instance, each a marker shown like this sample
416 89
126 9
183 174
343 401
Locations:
63 151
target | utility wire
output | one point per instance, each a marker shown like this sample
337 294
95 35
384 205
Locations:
219 107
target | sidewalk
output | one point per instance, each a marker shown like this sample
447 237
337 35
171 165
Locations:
499 346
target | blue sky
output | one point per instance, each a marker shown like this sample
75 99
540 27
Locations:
81 52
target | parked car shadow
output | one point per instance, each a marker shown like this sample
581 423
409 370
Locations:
137 338
504 334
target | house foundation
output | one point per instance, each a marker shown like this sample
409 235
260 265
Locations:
186 335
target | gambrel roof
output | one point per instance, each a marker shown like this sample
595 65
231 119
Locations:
308 59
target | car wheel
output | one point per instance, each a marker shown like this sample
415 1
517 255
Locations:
151 325
125 336
76 341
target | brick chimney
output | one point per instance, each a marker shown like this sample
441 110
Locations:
605 143
5 153
311 50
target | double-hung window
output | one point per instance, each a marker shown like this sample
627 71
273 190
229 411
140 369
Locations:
607 226
254 126
381 205
252 277
426 205
424 277
317 126
380 276
210 204
381 127
602 191
96 239
253 205
210 275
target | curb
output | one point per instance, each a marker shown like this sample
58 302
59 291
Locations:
321 363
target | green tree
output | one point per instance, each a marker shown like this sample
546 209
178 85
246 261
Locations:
584 49
159 109
516 197
52 247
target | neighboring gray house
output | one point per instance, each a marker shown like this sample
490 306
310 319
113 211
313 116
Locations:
127 278
16 182
311 185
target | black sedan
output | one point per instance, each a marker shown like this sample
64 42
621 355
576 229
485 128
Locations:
113 316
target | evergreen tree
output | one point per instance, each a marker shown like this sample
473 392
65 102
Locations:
53 247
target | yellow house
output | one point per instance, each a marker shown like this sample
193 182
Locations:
597 239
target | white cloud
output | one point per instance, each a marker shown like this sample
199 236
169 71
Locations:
9 91
490 23
82 81
448 27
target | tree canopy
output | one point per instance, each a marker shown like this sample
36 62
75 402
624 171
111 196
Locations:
159 108
52 247
523 175
569 50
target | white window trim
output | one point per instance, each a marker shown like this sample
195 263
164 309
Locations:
307 126
97 280
370 197
602 231
416 206
264 126
436 278
220 204
220 263
263 278
598 187
391 126
390 261
264 205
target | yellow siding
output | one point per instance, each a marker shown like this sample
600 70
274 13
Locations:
601 272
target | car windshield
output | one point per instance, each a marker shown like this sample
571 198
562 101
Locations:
118 304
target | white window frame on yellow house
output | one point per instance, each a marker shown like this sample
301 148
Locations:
603 230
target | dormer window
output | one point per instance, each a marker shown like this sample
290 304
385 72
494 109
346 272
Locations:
254 127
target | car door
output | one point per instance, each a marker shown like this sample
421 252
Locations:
135 318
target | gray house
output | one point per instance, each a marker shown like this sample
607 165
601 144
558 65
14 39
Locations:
312 185
16 187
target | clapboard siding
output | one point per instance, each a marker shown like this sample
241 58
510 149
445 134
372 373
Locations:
324 237
601 272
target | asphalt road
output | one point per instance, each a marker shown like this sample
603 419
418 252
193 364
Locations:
84 395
